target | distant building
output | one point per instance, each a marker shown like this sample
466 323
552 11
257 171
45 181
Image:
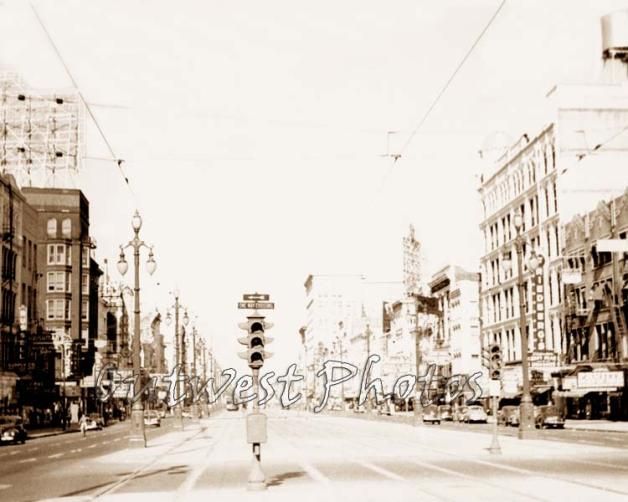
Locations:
458 329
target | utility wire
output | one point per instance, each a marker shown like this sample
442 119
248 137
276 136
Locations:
114 157
446 86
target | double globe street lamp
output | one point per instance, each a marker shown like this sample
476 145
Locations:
535 262
178 342
138 434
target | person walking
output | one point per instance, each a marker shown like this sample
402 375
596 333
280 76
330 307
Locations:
83 425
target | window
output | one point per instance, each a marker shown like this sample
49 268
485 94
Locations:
52 227
85 284
85 257
68 309
84 310
56 281
555 197
66 228
56 254
69 261
58 309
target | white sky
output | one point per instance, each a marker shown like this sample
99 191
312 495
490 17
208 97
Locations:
252 131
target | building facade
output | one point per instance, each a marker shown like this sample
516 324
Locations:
593 379
546 178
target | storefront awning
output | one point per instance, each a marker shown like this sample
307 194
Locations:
572 393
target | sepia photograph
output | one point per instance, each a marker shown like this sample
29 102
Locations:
313 251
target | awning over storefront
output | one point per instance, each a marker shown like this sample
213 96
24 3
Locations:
576 393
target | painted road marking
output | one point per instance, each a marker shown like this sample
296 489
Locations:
14 452
56 455
92 446
27 460
380 470
4 487
33 449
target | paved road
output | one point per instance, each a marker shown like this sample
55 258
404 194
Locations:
36 469
321 458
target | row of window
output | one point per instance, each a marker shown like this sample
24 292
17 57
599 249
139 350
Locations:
60 309
61 254
502 230
61 282
66 228
510 339
501 305
521 178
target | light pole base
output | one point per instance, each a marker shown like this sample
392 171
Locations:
137 437
527 429
178 419
194 411
495 449
257 479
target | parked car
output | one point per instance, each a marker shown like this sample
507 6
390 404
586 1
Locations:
359 409
508 415
94 422
151 418
430 414
445 412
231 407
475 414
460 413
12 429
548 416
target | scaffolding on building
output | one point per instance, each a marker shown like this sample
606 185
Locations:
41 133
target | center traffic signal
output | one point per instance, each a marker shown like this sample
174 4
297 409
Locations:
256 340
495 368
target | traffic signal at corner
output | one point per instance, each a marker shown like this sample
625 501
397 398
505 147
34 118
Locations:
255 341
495 361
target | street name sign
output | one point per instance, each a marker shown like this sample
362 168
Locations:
256 305
255 297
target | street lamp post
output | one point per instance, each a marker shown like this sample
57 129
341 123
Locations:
526 408
178 414
138 434
342 336
194 383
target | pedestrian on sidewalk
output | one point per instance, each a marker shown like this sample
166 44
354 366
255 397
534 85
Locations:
83 424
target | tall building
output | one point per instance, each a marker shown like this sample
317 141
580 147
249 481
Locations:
69 274
458 329
547 177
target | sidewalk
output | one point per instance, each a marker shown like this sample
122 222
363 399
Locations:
407 418
596 425
50 431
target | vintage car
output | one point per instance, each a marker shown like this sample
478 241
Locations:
475 414
445 412
151 418
12 429
508 415
94 422
548 416
430 414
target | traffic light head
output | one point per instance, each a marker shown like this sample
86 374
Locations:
256 340
495 368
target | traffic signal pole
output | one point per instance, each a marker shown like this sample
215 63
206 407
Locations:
255 355
257 479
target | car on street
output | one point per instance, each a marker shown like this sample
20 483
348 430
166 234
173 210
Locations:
430 414
151 418
475 414
459 414
359 409
548 416
231 407
12 429
94 422
508 415
445 412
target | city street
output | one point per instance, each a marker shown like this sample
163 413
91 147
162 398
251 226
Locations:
311 456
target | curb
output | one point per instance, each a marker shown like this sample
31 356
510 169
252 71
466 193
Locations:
48 434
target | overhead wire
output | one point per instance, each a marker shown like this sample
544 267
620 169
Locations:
114 157
443 90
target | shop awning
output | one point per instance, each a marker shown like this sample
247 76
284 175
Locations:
572 393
